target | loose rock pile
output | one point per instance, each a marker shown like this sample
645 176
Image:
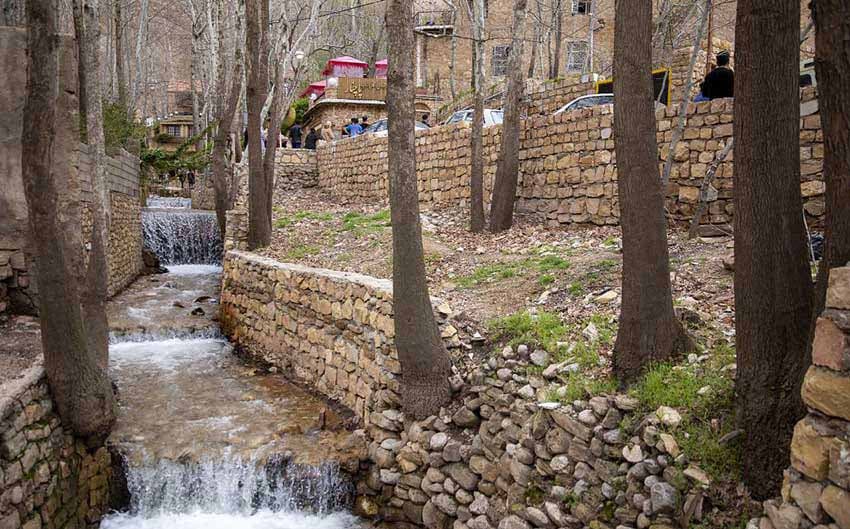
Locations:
500 458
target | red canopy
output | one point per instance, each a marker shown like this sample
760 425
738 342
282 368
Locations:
317 88
345 66
381 68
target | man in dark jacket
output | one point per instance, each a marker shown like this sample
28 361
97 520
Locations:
720 82
295 135
311 139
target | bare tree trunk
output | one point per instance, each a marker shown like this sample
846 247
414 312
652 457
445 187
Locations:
97 273
773 288
507 172
259 224
559 36
453 57
80 388
476 177
82 100
686 96
141 39
119 56
425 363
832 66
220 164
648 329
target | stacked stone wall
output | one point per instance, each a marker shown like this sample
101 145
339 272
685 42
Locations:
816 488
568 165
48 479
295 169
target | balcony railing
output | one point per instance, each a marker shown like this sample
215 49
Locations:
433 19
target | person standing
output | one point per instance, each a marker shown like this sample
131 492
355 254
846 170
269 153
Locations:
328 132
311 139
295 135
353 128
720 82
364 123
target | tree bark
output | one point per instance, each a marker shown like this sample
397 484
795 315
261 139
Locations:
832 67
773 287
559 35
259 223
507 171
96 288
476 177
425 363
80 31
118 27
80 388
648 328
220 164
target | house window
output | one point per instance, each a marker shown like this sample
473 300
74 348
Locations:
173 130
499 64
581 7
576 56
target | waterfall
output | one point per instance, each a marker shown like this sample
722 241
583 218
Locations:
182 236
232 486
169 202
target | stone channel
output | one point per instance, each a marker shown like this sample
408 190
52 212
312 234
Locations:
206 439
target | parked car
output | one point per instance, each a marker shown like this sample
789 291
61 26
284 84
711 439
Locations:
491 117
379 127
593 100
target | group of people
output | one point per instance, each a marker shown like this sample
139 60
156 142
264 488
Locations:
297 140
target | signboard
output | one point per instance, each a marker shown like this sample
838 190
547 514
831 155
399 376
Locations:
363 88
660 86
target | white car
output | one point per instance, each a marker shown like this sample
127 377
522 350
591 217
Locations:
379 128
593 100
491 117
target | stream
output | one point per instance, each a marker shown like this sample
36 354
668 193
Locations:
208 440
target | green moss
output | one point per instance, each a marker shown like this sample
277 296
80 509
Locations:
534 495
546 280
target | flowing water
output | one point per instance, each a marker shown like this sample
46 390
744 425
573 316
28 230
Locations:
209 441
178 234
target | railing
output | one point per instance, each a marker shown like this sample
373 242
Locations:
425 19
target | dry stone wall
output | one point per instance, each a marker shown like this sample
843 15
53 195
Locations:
816 488
568 165
331 329
295 169
48 479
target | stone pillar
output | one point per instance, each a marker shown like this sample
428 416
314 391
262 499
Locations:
816 490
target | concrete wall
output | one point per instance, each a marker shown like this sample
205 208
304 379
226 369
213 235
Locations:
17 287
568 165
48 479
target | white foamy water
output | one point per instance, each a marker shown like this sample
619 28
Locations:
164 354
193 269
260 520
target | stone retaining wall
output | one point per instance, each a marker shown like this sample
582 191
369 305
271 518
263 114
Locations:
295 169
333 330
816 489
568 166
47 477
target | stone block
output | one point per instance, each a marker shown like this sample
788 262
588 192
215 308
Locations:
810 450
836 503
838 290
831 346
827 391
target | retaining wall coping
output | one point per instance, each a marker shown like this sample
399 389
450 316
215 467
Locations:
12 390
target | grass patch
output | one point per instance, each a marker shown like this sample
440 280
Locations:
361 224
301 251
312 215
704 395
576 289
542 329
579 386
545 265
